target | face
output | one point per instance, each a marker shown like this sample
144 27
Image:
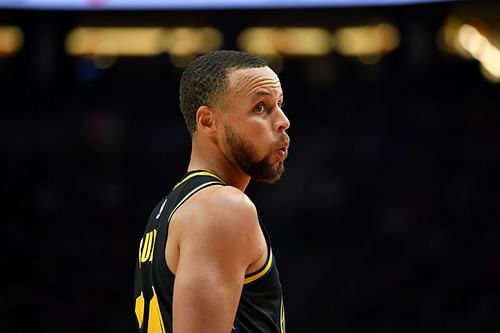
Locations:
254 124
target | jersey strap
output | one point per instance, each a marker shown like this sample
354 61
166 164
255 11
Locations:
216 181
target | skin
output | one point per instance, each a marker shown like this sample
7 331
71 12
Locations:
215 237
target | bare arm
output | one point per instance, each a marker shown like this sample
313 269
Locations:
220 239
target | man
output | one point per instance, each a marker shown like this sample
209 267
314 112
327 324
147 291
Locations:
205 261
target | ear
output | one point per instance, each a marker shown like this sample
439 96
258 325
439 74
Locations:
205 120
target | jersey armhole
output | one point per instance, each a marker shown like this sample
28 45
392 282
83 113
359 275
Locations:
262 272
267 266
179 204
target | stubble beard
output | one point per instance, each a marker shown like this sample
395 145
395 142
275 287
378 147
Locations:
245 155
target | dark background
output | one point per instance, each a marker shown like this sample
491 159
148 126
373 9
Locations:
385 221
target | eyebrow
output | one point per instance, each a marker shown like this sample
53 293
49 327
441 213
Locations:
260 93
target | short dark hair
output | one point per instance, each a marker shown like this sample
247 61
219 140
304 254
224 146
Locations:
204 80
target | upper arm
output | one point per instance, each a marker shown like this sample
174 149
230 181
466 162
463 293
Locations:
219 240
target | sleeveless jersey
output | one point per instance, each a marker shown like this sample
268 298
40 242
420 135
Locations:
260 309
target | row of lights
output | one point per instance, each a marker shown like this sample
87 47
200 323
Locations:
367 43
104 45
363 41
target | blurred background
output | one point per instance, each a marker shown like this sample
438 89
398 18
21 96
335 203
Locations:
386 219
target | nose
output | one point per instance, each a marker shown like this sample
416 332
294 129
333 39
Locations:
282 122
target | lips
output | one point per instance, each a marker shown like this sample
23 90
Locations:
282 150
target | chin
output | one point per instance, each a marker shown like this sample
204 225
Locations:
270 175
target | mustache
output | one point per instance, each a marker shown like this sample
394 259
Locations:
284 139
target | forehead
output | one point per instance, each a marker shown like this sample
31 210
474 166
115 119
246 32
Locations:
254 81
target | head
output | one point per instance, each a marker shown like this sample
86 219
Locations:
244 95
204 81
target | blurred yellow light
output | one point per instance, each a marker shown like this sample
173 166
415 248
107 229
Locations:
447 38
113 41
258 41
493 78
185 41
471 40
490 58
481 49
492 64
141 41
264 41
366 40
11 39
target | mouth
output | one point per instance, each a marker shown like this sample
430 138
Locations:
282 150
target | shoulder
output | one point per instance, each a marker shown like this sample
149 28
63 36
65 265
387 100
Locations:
226 202
222 208
222 216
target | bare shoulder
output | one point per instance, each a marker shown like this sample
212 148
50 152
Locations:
218 205
220 219
227 202
224 212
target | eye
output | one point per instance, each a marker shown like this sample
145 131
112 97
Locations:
281 104
259 108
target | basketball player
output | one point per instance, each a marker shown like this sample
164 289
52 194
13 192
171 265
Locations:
205 261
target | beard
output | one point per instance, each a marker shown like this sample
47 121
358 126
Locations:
245 155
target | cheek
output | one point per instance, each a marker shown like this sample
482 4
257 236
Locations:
255 132
260 130
260 139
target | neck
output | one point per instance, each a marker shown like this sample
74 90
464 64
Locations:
209 157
